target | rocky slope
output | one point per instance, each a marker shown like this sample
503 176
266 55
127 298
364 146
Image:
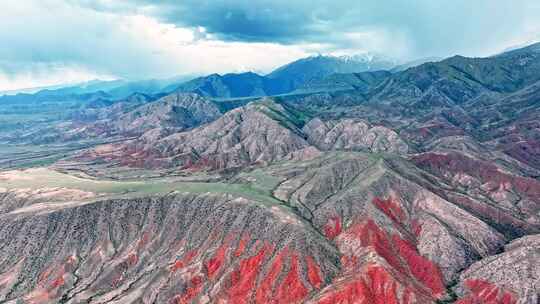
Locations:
351 227
348 134
140 114
420 186
358 189
92 113
118 119
510 277
259 133
295 74
164 250
410 232
177 111
459 79
481 179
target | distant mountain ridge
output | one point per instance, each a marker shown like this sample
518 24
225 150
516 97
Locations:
116 89
229 85
297 73
284 79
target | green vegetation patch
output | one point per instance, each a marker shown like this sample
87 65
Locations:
46 178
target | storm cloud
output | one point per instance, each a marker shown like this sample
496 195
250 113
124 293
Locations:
424 27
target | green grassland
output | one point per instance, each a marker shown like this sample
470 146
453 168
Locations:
30 156
259 189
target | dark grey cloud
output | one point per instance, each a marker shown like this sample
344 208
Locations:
253 21
427 27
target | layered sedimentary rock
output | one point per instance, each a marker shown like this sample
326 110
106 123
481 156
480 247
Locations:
172 113
258 133
178 111
348 134
173 249
359 190
405 237
507 201
353 228
510 277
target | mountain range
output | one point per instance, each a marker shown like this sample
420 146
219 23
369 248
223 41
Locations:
329 180
282 80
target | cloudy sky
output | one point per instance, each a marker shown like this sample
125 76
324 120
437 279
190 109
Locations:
46 42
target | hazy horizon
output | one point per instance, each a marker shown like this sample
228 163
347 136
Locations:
55 42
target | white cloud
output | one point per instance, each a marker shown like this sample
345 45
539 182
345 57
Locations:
182 51
40 75
48 42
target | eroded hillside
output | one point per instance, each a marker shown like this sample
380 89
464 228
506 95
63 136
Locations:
418 186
